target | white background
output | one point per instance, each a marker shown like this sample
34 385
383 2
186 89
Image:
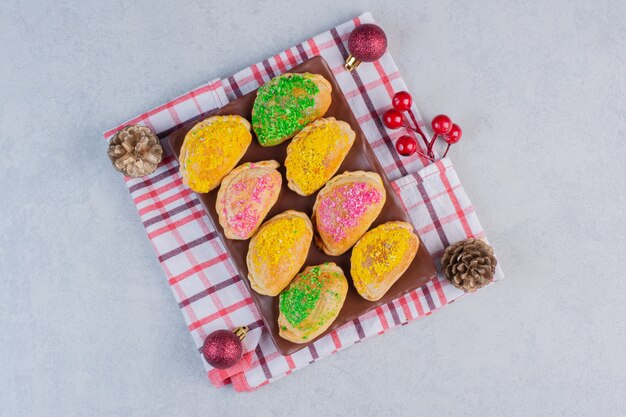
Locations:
88 326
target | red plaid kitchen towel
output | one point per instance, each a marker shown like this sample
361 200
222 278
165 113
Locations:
204 281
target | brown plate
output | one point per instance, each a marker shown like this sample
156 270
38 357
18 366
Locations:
360 157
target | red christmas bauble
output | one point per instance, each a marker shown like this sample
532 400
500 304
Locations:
402 101
441 124
454 135
393 119
367 42
406 145
222 349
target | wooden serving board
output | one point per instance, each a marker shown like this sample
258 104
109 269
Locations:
360 157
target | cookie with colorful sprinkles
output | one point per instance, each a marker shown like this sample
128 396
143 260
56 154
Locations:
286 104
345 208
246 196
211 149
277 251
312 302
381 256
315 154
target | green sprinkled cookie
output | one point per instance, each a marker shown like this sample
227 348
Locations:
311 302
286 104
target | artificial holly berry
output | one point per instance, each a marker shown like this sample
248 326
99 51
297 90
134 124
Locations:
402 101
393 119
406 145
452 137
441 124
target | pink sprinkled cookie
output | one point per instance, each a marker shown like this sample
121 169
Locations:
345 208
246 196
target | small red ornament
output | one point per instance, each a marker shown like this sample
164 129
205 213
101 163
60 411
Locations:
406 145
366 43
222 348
393 119
402 101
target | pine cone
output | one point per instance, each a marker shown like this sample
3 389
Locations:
135 151
469 264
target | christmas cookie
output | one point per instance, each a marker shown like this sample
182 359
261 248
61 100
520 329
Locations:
246 196
278 251
381 256
316 153
311 302
345 208
211 149
285 104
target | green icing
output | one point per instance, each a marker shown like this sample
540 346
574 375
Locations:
297 302
282 107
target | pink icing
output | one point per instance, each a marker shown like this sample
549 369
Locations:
243 215
342 209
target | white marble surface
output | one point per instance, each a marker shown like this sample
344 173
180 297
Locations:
88 326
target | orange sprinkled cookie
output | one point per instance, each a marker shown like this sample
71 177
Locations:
211 149
278 250
381 256
246 196
315 154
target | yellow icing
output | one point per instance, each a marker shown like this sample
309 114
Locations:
213 149
314 157
277 240
379 252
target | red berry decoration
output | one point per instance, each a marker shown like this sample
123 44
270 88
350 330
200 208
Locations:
402 101
222 348
406 145
441 124
366 43
393 119
452 137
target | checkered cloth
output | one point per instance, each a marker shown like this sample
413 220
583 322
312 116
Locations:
205 283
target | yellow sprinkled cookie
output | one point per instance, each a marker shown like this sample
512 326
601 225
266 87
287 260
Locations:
278 250
211 149
381 256
315 154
